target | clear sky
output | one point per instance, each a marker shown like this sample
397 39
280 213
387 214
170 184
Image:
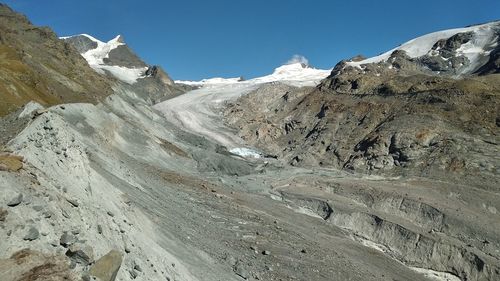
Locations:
195 39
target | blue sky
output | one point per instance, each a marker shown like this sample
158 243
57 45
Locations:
229 38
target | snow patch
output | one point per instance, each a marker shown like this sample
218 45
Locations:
436 275
428 273
96 56
245 152
125 74
305 211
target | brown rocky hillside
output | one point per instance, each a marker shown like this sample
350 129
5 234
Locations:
36 65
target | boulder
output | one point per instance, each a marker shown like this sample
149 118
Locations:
67 239
81 254
106 268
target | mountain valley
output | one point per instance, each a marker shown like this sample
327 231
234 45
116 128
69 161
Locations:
384 168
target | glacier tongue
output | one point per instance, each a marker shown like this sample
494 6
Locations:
198 110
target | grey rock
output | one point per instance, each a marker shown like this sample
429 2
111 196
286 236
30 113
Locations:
266 253
67 239
81 254
111 214
16 200
133 274
32 234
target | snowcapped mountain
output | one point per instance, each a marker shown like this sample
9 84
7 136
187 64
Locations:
112 56
296 73
458 51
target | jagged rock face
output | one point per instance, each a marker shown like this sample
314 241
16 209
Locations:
81 43
493 64
124 56
36 65
160 74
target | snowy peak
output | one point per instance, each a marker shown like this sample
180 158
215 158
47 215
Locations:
289 68
113 57
455 51
84 43
294 73
298 73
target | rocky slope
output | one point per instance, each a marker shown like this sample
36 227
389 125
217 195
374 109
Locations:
391 114
36 65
